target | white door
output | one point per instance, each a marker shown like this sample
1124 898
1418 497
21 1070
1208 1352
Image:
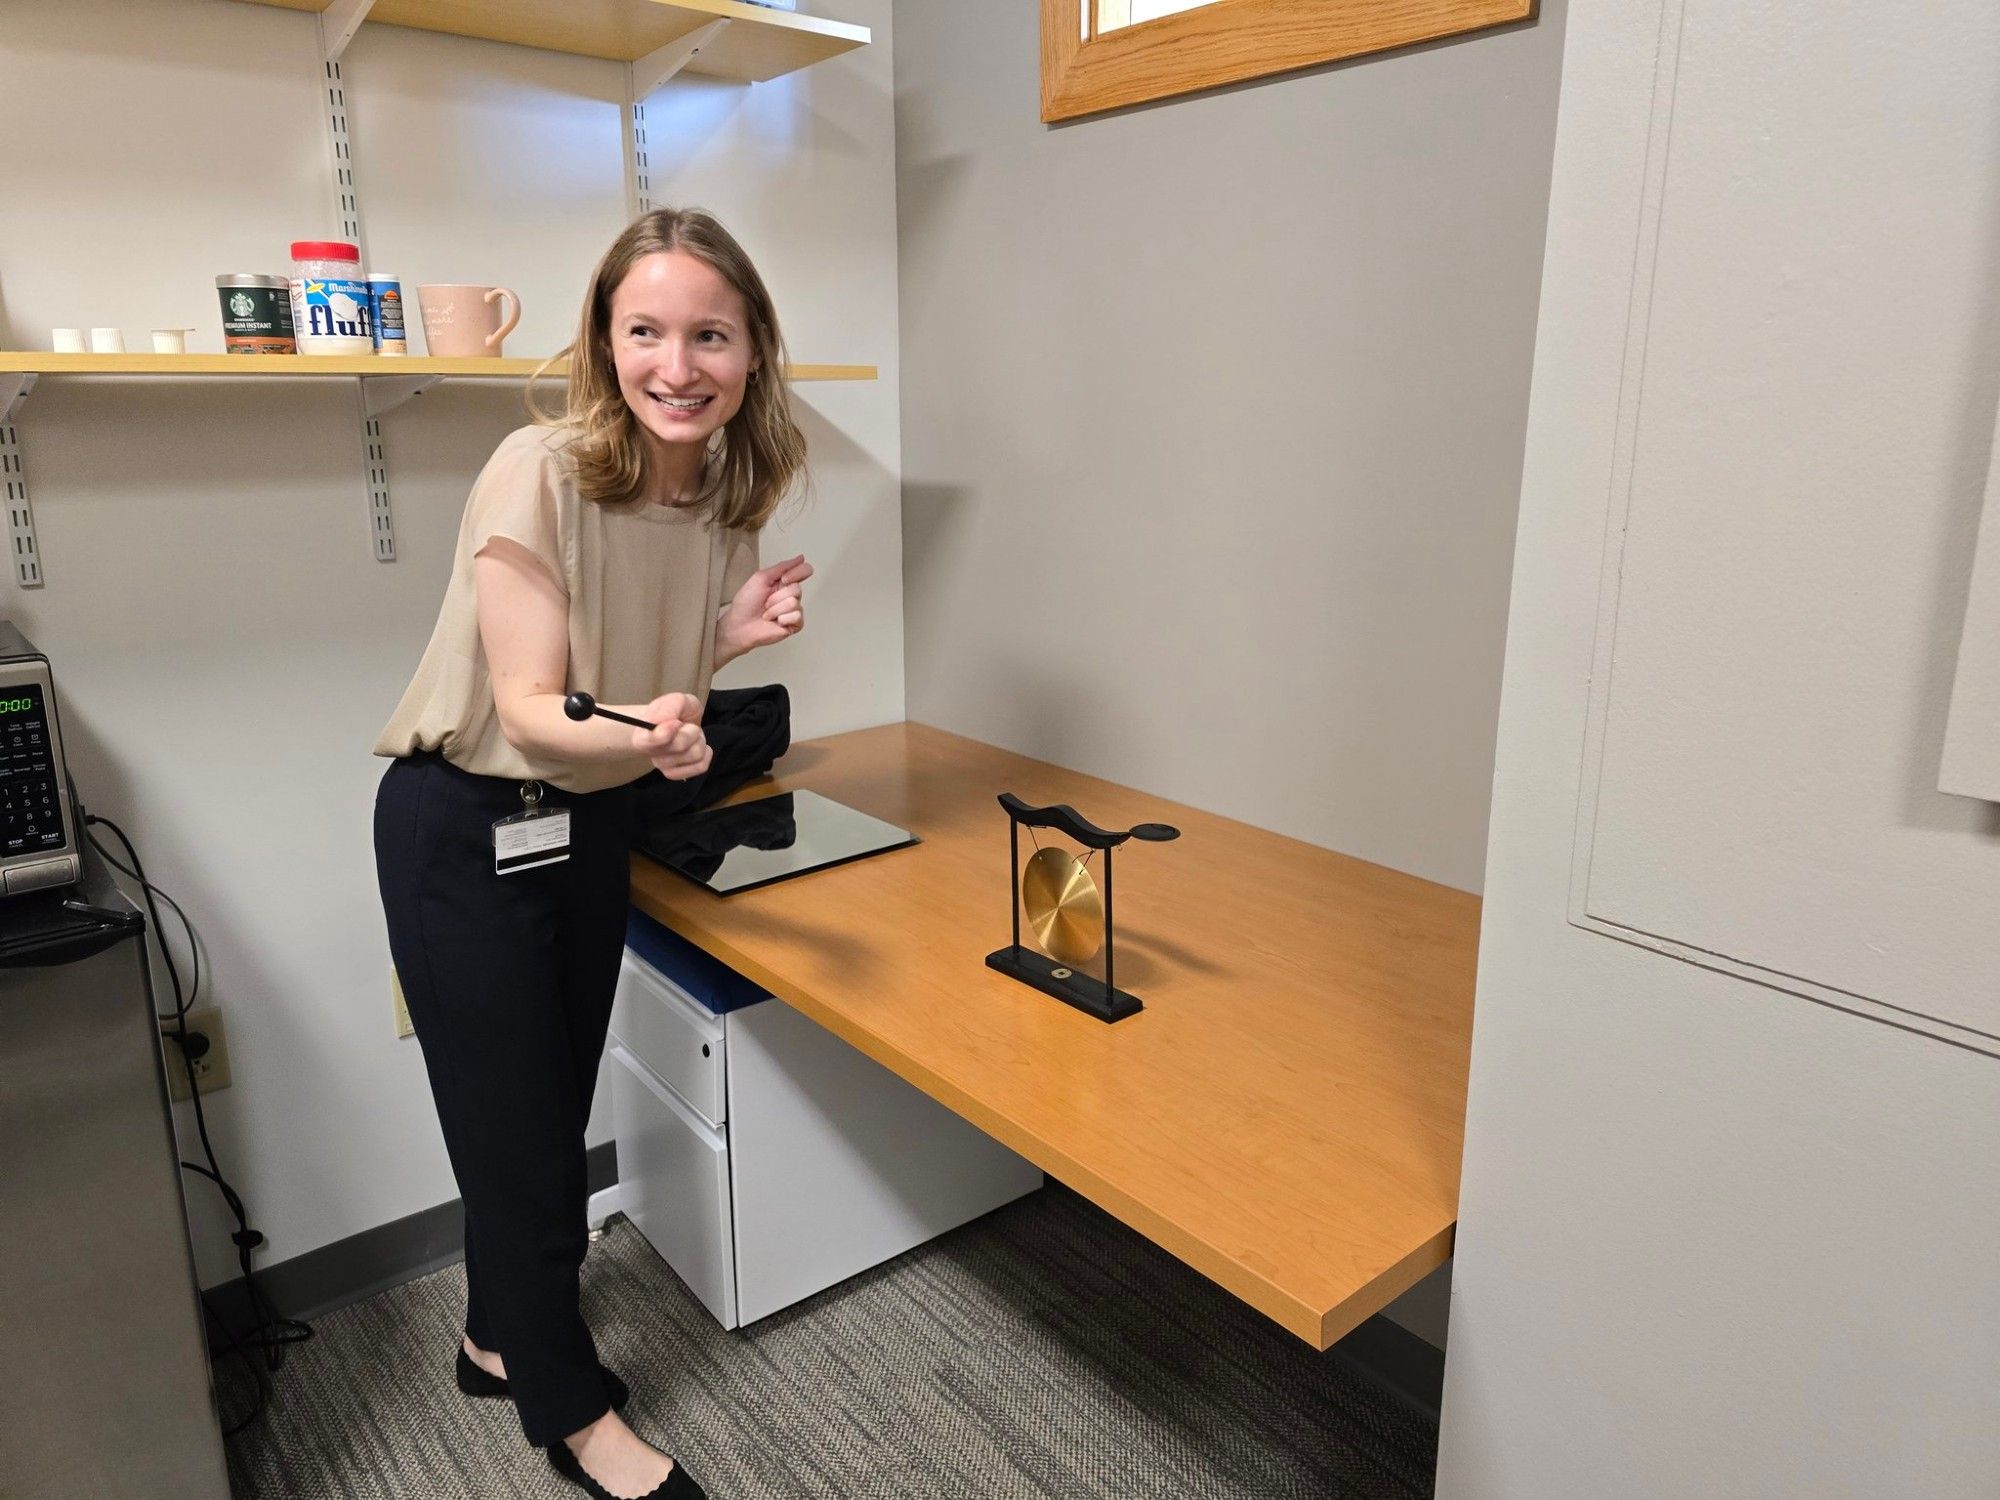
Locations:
1732 1173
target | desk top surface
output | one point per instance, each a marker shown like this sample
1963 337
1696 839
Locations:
1286 1114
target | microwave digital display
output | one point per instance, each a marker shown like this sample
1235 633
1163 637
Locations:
30 810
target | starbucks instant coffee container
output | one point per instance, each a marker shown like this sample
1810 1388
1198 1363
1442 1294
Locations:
256 314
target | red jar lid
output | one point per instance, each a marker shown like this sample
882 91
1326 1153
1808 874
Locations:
325 250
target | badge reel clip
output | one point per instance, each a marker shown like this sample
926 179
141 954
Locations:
534 836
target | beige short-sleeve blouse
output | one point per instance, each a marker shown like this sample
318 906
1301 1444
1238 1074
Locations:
645 583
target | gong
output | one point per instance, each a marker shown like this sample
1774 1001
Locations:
1063 907
1067 912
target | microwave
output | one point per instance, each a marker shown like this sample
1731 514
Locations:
39 839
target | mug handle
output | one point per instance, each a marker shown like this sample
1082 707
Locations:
493 340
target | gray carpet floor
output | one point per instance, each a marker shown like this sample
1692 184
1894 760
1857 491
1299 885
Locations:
1044 1350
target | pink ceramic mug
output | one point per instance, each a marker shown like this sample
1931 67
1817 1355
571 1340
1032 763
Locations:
464 321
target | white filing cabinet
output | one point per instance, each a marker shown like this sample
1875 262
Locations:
763 1157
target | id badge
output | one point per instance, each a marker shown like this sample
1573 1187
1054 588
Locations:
532 837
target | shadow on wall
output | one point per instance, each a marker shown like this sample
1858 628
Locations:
936 519
1975 456
829 450
929 195
698 109
701 109
837 468
1032 704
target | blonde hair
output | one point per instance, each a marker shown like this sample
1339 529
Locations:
760 453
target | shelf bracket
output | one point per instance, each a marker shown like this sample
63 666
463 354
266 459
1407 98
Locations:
641 79
384 393
381 522
657 66
14 390
14 484
638 171
338 23
340 150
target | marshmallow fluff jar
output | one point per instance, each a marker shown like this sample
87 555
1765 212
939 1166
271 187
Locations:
330 313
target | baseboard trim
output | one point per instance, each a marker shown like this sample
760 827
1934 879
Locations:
1396 1359
321 1281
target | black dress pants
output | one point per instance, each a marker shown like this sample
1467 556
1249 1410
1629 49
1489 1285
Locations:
509 980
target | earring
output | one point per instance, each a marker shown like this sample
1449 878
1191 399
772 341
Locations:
753 377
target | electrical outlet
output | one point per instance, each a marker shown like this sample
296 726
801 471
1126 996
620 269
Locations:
211 1069
404 1026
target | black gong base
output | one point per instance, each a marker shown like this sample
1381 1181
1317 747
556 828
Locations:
1089 995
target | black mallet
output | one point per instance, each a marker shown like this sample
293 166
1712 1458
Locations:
580 706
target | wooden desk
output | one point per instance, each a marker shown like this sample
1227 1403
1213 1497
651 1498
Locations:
1287 1113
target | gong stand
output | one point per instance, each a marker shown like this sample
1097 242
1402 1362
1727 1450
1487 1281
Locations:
1099 998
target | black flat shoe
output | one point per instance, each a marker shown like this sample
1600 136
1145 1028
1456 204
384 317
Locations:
676 1486
477 1382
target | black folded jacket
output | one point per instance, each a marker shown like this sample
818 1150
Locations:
747 729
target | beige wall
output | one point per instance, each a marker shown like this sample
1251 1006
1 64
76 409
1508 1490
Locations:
225 644
1212 431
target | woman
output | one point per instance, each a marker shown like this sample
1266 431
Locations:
614 553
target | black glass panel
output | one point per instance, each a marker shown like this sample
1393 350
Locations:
749 844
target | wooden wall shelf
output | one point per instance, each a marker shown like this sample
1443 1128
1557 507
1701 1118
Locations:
259 366
758 45
654 39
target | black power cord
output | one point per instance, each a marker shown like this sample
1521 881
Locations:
270 1332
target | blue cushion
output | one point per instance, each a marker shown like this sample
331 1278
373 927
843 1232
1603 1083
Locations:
708 979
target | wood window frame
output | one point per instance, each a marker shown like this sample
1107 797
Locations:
1230 41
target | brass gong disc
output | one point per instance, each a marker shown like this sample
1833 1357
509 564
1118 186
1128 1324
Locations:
1063 906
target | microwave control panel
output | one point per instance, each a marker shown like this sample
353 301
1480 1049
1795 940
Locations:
31 814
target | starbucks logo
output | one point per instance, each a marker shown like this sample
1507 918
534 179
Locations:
241 305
